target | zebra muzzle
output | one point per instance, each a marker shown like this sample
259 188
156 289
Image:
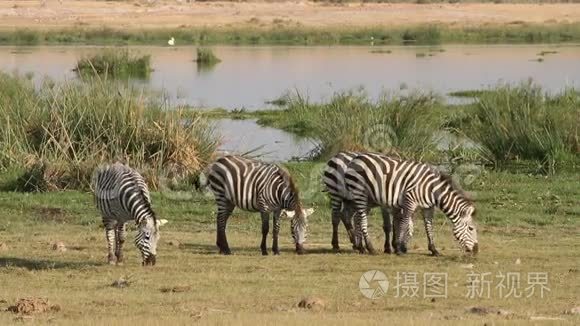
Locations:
299 249
149 261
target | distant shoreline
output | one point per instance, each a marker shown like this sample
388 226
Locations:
300 35
280 22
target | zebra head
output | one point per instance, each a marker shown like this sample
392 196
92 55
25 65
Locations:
147 238
298 225
465 231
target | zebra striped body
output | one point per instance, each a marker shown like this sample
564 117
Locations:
257 187
122 195
374 179
341 203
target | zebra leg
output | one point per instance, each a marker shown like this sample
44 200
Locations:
396 227
347 216
265 230
111 241
406 215
357 244
276 225
387 227
336 217
121 235
428 221
365 234
224 212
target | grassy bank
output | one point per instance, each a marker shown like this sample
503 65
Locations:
521 218
55 136
516 32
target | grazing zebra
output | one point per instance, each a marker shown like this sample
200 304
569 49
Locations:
374 179
122 195
258 187
333 178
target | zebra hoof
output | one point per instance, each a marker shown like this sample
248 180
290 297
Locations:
276 252
225 252
435 253
264 253
388 250
336 249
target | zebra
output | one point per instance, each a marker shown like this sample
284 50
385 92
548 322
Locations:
333 179
375 179
121 195
256 186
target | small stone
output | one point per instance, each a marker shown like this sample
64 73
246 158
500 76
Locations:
120 283
518 261
573 311
174 243
59 246
467 266
495 263
3 246
312 303
433 300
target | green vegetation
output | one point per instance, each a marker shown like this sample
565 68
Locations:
300 35
544 53
54 137
115 63
381 51
525 124
206 57
532 219
513 127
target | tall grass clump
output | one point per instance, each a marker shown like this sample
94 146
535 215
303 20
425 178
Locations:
523 123
206 57
58 134
403 125
116 63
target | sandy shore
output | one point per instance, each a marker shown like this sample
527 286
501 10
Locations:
140 14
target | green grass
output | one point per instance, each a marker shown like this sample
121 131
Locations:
57 135
522 123
115 63
517 127
396 124
206 57
301 35
516 220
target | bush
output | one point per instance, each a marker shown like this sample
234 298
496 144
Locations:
525 124
60 133
117 63
400 125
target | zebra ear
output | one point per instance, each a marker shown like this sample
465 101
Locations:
161 222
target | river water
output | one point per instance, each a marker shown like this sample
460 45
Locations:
249 76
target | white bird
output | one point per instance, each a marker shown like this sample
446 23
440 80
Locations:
171 41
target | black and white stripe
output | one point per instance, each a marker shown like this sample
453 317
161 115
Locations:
121 195
258 187
374 179
341 204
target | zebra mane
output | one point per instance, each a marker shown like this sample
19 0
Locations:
455 186
288 178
